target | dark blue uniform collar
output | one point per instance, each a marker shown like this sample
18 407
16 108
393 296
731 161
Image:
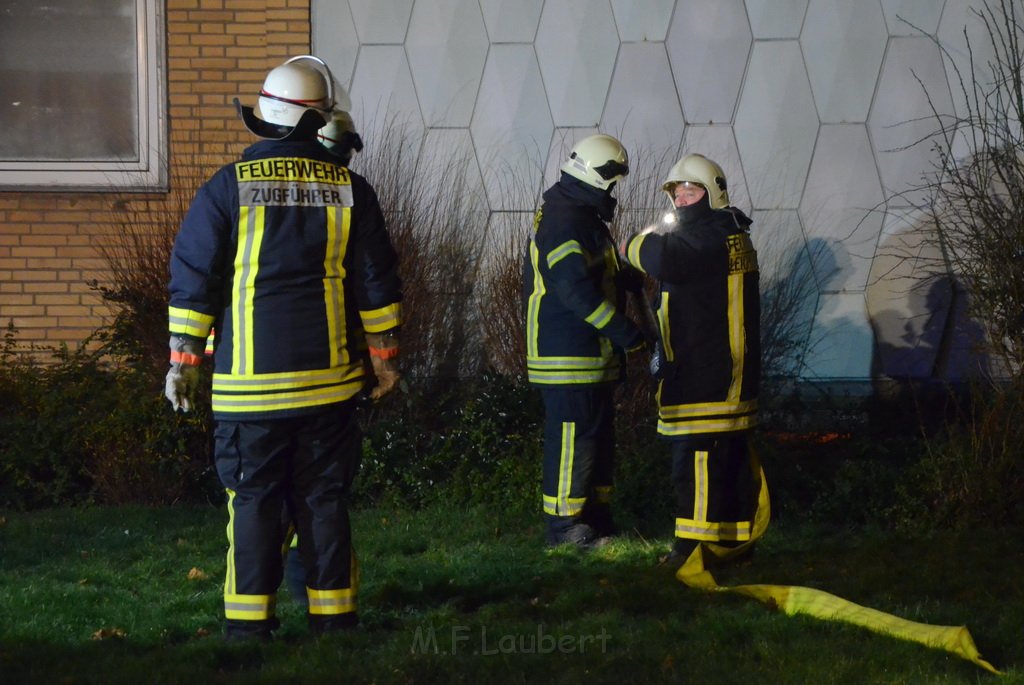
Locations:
571 191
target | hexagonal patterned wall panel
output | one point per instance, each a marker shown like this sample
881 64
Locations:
511 21
776 150
511 127
447 46
843 55
776 18
820 112
708 46
577 44
900 122
640 22
642 104
377 21
382 90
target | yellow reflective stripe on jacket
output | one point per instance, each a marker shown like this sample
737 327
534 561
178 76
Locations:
664 329
716 425
707 417
382 319
275 391
331 602
566 362
243 287
189 322
633 251
737 334
533 304
249 607
805 601
562 251
561 374
299 399
691 411
334 276
600 317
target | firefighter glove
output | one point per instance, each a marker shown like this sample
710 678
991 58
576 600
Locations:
384 359
183 376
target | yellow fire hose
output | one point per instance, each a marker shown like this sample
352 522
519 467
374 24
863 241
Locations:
793 600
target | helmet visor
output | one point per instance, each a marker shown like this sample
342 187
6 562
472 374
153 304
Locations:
612 169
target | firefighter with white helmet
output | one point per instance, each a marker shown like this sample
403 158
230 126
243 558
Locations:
708 356
340 137
576 338
296 300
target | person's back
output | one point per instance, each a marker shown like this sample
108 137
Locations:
292 277
286 252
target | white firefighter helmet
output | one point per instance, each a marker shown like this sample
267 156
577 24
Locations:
696 168
292 88
598 160
339 135
296 99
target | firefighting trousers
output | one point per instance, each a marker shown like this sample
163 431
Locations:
306 465
714 486
579 449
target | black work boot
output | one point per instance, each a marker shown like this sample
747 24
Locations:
250 631
599 517
322 625
571 530
681 550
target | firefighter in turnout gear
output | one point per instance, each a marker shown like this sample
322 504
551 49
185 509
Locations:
576 336
708 358
286 253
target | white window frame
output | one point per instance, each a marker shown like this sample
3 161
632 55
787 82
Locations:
149 172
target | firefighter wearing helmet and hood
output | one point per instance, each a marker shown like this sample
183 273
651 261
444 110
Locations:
340 137
286 253
576 335
708 357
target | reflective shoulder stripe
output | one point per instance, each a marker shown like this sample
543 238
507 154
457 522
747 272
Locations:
562 251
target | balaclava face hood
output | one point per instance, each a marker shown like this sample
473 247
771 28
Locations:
691 213
600 199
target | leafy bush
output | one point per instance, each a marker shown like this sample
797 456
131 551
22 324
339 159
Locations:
78 429
480 445
972 473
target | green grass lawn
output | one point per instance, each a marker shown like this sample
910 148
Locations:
453 595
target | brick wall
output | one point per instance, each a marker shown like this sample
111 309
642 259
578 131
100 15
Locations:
216 50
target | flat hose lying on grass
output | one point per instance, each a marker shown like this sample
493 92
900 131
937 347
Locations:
793 600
